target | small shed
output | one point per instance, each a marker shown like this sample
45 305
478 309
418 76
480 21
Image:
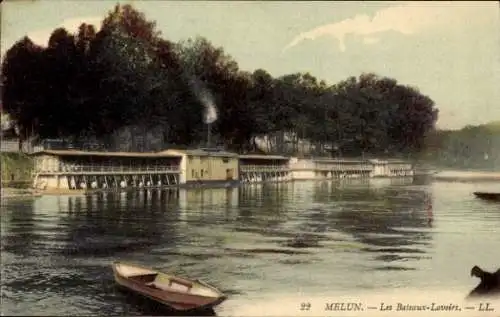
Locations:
205 166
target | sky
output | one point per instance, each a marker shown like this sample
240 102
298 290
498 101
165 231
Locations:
449 50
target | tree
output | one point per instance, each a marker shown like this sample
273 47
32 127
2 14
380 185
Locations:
125 76
128 20
23 94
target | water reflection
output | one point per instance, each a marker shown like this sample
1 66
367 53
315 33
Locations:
390 222
96 225
24 234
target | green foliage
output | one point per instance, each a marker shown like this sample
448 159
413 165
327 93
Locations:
473 147
97 82
16 167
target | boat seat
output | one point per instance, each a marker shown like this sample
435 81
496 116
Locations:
168 285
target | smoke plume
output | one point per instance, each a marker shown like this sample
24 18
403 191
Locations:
210 113
206 98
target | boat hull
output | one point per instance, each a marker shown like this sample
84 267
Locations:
171 299
488 196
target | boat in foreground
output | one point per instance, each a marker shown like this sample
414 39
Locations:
488 196
177 293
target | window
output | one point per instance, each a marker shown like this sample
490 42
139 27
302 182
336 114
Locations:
202 173
225 159
192 173
229 173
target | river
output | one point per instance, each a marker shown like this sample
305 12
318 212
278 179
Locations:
273 248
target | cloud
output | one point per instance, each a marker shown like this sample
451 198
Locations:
41 37
408 19
371 40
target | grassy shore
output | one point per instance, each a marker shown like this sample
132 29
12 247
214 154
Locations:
16 170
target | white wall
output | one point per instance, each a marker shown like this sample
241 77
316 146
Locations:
183 169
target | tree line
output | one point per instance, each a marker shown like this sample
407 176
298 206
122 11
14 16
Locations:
123 76
472 147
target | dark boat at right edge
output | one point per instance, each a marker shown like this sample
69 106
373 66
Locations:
489 285
488 196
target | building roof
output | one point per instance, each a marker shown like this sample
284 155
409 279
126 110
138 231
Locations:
340 160
201 152
390 161
165 153
263 157
107 154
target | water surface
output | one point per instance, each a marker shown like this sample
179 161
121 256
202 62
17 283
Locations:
270 247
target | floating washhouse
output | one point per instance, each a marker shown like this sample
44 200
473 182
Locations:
328 168
342 168
256 168
69 170
84 170
391 168
72 170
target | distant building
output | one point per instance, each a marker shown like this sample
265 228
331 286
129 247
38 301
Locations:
9 134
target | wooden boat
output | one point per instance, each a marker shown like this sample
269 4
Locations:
488 196
175 292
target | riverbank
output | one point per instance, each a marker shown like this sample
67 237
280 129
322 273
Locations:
18 192
467 176
16 170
